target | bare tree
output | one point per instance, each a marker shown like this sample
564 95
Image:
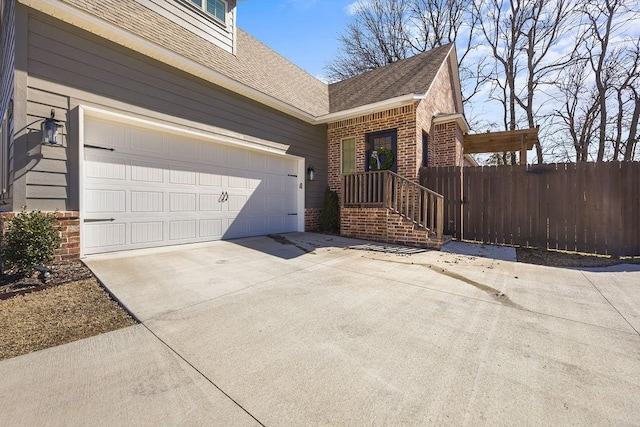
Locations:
378 35
521 35
599 93
438 22
579 110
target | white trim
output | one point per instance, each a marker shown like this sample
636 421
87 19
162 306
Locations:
387 104
302 191
86 111
249 143
80 124
203 9
456 117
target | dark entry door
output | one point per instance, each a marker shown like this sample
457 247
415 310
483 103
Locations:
385 139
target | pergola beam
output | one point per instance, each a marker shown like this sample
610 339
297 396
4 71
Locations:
497 142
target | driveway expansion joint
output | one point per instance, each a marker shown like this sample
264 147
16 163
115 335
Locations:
609 302
209 380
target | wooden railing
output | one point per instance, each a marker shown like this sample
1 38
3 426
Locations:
386 189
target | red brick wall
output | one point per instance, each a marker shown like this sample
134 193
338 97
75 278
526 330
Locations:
312 219
401 118
445 143
70 223
440 99
381 225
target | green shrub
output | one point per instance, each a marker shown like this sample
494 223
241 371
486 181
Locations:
330 214
31 239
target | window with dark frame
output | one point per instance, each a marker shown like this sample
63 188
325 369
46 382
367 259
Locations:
385 139
425 149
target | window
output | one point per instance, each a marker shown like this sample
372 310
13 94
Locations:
386 139
217 8
425 149
348 155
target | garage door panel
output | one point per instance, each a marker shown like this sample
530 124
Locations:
210 179
237 158
144 171
147 232
182 202
181 230
104 167
183 148
159 189
177 176
106 133
105 235
146 142
146 201
211 228
105 201
211 202
210 153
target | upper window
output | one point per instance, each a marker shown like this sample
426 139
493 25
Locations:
217 8
348 155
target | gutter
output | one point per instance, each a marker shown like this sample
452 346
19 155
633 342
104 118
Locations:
398 101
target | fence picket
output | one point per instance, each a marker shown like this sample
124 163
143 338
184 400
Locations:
585 207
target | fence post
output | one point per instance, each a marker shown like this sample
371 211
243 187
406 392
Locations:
440 219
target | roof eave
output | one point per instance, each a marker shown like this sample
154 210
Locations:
456 117
362 110
125 38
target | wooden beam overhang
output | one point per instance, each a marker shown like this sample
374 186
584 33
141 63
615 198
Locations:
497 142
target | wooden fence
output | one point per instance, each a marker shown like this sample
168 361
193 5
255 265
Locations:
584 207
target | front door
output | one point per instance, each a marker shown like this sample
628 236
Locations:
386 140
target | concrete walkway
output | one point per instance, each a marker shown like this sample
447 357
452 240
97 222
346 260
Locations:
314 329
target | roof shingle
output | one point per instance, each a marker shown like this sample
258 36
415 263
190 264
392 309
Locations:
408 76
260 68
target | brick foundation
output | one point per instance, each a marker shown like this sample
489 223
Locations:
69 222
312 219
381 225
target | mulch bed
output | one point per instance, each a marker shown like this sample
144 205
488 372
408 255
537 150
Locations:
71 305
569 259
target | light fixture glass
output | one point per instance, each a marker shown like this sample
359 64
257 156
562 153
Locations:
310 173
50 129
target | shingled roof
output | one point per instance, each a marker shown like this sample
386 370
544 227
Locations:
408 76
257 68
255 65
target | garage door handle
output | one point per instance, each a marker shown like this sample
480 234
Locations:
99 219
98 147
223 197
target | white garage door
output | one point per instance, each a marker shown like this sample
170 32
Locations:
145 188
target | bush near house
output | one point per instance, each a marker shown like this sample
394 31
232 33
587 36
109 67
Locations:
330 214
31 239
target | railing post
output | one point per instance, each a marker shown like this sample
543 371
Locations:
440 218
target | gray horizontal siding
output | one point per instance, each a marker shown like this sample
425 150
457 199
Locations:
92 71
7 64
182 13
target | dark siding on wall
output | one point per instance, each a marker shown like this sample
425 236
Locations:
7 61
93 71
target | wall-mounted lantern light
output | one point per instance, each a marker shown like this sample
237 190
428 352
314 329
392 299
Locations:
310 173
50 129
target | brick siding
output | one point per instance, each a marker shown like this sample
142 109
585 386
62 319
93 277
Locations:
382 225
312 219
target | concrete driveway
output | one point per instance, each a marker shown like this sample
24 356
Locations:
310 329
